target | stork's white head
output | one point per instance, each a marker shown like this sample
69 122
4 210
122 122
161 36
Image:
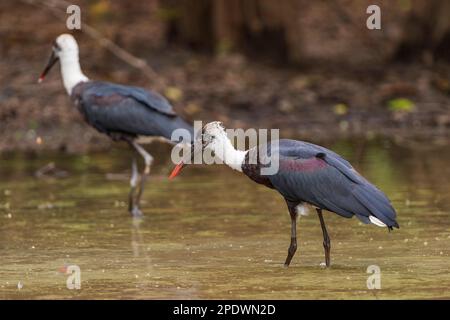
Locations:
214 135
215 139
65 49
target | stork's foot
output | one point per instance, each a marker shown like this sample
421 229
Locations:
135 200
327 248
326 239
291 251
136 212
293 246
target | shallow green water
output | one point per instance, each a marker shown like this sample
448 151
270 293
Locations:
213 233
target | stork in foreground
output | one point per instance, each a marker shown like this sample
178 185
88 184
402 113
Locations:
307 174
124 113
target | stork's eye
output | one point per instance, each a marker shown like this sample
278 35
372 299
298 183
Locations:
56 47
207 138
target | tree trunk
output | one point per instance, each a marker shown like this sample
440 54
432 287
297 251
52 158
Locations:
302 31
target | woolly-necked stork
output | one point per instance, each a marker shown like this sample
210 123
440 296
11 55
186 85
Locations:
307 174
125 113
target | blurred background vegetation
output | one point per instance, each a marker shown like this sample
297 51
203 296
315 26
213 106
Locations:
310 68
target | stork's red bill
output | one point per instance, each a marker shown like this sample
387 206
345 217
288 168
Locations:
51 62
177 170
195 149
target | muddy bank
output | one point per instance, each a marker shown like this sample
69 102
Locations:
399 101
405 100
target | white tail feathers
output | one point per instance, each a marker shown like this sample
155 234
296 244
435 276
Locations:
302 210
377 221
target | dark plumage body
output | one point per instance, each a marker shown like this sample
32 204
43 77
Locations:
122 112
303 173
312 174
126 111
318 176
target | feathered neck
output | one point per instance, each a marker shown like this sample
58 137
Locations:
224 150
71 71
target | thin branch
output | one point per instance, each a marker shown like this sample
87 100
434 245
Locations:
58 9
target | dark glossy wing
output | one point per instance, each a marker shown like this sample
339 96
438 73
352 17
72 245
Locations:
148 98
131 110
322 178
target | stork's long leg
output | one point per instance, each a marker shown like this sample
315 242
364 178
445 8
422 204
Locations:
326 238
293 246
148 159
133 184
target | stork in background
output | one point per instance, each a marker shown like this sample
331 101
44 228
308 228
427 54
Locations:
124 113
307 174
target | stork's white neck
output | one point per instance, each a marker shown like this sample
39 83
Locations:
224 150
71 71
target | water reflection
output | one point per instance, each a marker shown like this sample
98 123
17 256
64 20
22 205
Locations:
213 233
